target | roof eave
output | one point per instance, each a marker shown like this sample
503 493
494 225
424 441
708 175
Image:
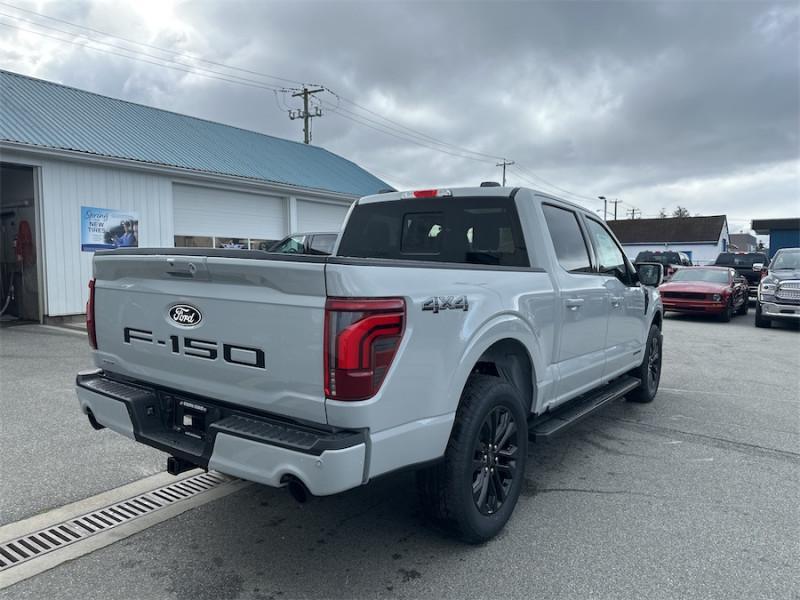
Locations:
80 156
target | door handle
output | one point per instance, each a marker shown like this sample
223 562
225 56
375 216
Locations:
574 303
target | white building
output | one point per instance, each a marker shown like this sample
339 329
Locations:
80 171
702 238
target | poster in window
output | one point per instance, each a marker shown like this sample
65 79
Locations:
232 243
108 228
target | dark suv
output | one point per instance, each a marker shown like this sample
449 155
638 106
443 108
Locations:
748 265
671 260
779 291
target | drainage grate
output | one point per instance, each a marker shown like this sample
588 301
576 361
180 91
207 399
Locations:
27 547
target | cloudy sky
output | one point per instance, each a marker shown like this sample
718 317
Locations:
654 103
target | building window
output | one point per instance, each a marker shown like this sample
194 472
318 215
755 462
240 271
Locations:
193 241
208 241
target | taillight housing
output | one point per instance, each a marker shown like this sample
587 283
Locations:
361 338
90 323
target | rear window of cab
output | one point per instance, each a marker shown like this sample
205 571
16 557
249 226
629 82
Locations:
477 230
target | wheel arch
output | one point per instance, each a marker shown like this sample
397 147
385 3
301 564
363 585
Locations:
658 318
509 358
507 346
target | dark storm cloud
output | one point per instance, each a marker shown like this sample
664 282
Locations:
620 98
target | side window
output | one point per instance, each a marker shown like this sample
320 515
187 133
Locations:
322 244
293 245
610 259
565 232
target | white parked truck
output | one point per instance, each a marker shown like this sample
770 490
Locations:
448 327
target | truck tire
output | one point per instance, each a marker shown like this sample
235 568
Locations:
742 310
761 321
474 490
649 372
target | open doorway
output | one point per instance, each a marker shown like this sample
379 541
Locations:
19 263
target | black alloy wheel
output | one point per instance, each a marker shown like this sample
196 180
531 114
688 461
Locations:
654 363
494 461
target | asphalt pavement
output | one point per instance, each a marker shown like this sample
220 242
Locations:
692 496
50 454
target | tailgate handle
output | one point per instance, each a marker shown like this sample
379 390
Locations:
181 268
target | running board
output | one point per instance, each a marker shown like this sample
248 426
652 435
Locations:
550 424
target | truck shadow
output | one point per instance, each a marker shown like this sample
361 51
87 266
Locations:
367 542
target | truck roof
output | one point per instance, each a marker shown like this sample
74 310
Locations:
465 192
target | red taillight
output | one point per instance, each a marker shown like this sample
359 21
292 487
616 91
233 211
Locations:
361 339
90 329
426 193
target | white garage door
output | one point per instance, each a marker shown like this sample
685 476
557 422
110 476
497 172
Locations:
316 216
201 211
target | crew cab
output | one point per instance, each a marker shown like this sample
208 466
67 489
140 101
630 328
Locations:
779 290
747 265
448 327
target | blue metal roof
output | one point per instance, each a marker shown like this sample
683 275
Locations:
43 113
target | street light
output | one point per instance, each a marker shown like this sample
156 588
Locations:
605 207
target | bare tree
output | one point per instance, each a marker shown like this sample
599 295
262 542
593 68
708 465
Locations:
662 214
681 212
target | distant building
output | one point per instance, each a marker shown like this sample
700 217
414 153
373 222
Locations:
701 238
743 242
80 171
783 233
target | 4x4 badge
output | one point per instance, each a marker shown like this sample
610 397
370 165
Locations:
437 303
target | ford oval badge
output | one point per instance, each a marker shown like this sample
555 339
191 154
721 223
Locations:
183 314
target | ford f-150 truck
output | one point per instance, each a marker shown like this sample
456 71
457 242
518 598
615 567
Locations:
448 327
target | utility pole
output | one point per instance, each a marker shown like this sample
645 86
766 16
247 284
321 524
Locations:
634 211
615 207
304 114
605 207
504 164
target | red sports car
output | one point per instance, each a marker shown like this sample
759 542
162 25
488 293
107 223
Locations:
706 290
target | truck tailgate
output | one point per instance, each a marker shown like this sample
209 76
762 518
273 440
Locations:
244 330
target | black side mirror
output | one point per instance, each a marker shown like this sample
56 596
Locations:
650 274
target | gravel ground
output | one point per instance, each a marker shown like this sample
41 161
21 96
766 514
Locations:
693 496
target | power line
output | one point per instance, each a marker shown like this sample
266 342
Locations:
339 97
413 131
395 129
418 139
130 41
202 72
393 132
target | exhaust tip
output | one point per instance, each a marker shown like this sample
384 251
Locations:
297 490
92 421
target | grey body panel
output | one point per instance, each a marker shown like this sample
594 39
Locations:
273 305
278 305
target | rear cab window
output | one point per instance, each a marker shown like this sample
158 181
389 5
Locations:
473 230
729 259
570 245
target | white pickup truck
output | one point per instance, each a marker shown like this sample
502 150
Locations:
448 327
